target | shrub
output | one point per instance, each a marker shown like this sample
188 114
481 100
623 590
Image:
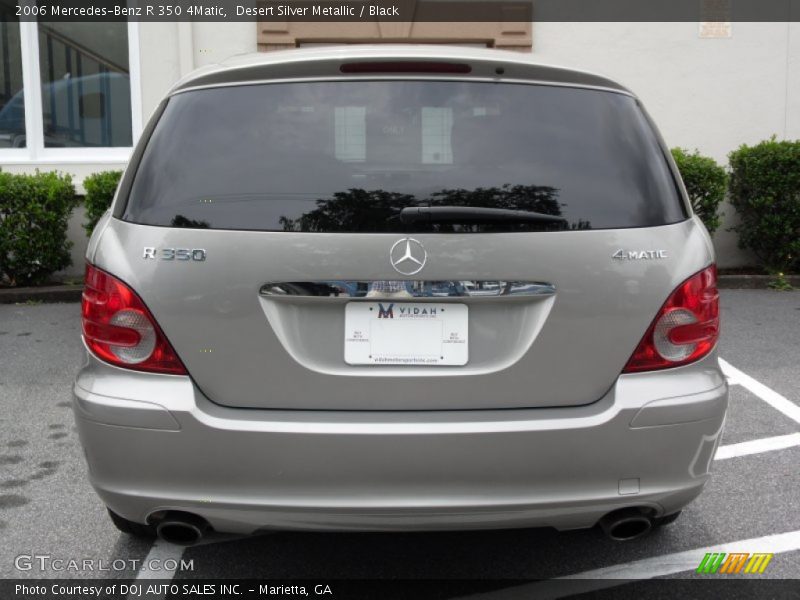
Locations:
765 191
100 189
705 183
34 210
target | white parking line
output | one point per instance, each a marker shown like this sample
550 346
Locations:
648 568
161 551
779 442
770 396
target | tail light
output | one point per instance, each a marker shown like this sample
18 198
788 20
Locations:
119 329
685 329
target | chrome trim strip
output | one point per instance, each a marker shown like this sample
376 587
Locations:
399 289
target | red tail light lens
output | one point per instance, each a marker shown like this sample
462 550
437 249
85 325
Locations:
685 329
119 329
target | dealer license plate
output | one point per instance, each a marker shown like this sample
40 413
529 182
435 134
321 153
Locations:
405 333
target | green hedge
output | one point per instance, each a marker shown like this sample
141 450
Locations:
34 210
100 189
765 190
705 183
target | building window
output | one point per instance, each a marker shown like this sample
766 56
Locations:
80 91
437 125
86 89
350 131
12 104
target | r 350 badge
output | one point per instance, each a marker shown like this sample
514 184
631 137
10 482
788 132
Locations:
196 254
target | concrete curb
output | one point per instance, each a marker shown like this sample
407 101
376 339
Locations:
752 282
72 293
50 293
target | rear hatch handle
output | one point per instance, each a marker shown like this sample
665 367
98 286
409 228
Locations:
411 289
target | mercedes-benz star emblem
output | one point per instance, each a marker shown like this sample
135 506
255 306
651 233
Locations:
408 256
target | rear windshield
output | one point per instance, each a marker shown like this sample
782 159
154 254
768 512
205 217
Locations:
350 156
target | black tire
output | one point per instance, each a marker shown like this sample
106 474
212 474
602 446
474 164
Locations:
666 520
130 527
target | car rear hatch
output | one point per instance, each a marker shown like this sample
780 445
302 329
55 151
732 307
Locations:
403 245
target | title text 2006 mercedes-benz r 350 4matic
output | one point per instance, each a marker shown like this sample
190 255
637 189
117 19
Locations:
399 288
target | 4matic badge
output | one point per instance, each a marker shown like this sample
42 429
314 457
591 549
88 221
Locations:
639 254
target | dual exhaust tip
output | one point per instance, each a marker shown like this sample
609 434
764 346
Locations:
182 528
627 524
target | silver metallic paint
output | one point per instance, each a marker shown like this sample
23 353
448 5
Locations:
532 352
246 470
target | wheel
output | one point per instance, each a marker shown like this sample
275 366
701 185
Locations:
131 527
666 520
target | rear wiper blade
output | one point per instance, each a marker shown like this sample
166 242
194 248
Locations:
461 214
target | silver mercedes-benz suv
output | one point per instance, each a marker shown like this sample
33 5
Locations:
399 288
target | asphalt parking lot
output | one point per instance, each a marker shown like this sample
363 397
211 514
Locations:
48 508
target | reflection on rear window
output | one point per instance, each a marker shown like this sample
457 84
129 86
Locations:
348 157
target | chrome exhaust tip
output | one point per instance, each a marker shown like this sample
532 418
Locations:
182 529
626 524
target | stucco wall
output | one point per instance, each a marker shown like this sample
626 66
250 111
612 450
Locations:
710 94
170 50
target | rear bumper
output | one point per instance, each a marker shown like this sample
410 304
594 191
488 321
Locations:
154 443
